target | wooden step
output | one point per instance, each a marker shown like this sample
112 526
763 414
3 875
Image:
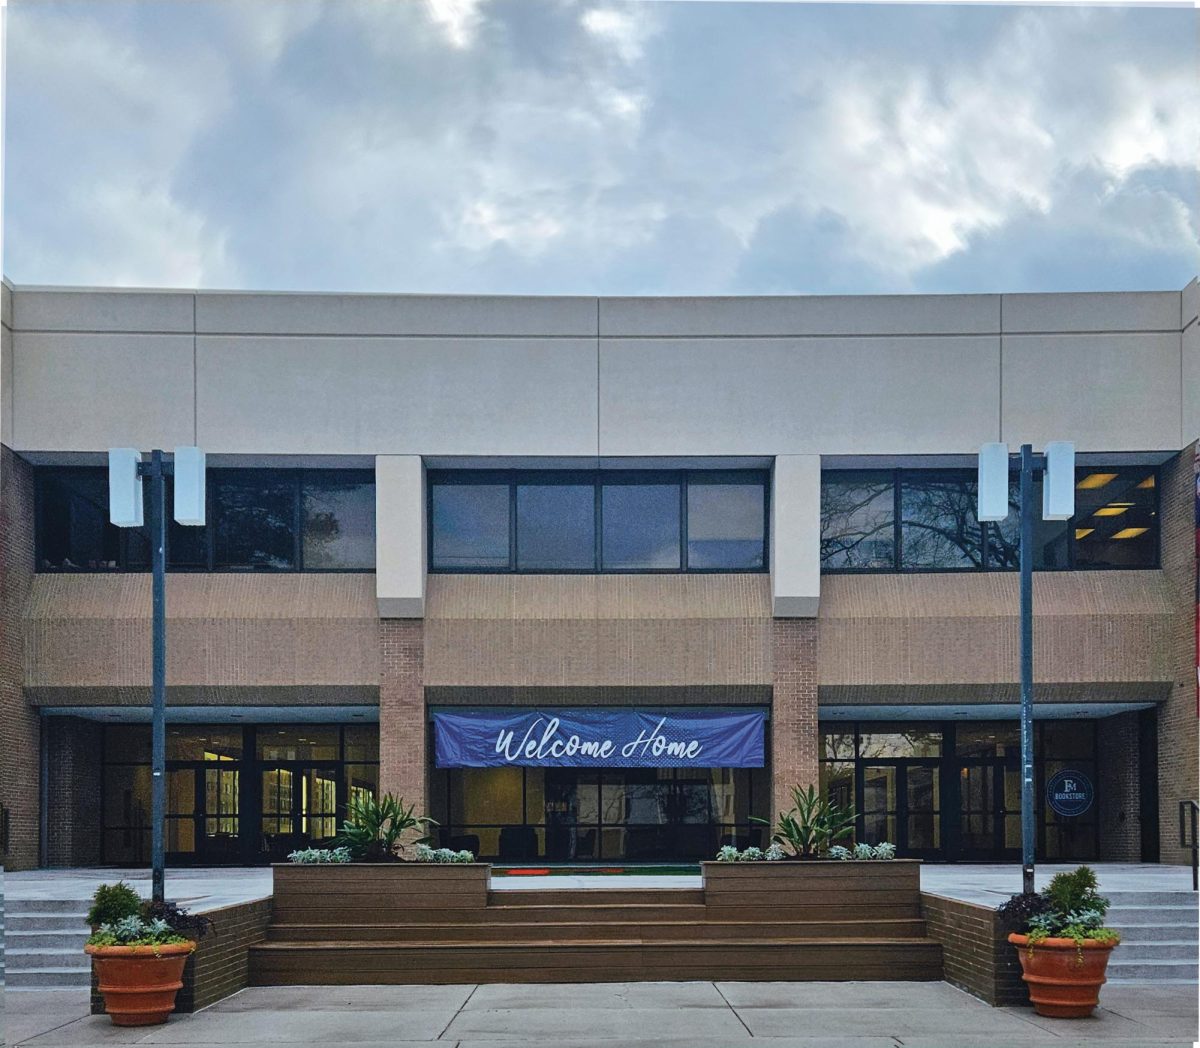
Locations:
348 963
653 930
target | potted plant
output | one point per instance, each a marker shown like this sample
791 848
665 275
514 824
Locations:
139 950
811 825
1062 943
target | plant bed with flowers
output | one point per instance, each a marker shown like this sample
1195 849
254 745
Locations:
1062 943
378 867
806 870
139 950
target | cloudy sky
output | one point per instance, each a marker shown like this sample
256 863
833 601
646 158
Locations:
595 146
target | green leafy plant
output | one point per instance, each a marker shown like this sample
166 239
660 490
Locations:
812 824
374 829
1070 907
113 902
320 856
133 930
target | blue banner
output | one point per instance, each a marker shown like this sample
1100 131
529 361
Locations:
599 738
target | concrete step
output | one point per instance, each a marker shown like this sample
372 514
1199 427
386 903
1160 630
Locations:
48 940
78 906
1138 933
20 959
1151 971
1187 899
1181 916
1168 950
44 922
47 978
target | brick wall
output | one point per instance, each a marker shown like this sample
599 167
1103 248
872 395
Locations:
73 794
402 731
220 965
19 785
976 955
1119 793
793 708
1177 723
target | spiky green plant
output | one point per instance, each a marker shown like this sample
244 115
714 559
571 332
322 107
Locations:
374 828
812 824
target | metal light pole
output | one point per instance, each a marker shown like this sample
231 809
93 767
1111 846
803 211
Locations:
1058 503
126 472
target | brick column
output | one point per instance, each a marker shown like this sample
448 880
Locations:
20 787
402 761
74 790
793 709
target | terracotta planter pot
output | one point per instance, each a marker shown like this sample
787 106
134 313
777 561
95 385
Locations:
1064 978
139 983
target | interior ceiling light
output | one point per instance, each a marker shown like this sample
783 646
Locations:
1083 533
1148 482
1130 533
1095 480
1111 511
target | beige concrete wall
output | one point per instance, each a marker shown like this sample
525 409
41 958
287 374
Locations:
400 536
1191 361
443 375
796 536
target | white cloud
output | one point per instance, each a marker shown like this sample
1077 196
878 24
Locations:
458 19
624 29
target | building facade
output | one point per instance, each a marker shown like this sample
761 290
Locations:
456 545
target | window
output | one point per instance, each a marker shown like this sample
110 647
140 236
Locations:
568 521
254 520
556 527
858 518
924 520
259 520
725 524
641 526
469 526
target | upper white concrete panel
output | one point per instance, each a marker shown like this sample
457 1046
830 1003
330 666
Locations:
1092 311
1104 392
1191 383
87 310
74 392
802 315
841 396
346 396
232 313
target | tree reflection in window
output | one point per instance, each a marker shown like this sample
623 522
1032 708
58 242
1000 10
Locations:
858 520
339 520
255 520
939 529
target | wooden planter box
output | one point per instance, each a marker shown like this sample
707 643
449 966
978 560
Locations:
368 893
867 889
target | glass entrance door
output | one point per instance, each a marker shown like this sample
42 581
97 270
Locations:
990 823
299 807
202 812
901 803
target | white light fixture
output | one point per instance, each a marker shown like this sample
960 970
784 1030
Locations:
124 488
1058 481
189 486
993 482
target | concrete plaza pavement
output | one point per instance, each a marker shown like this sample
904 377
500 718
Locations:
662 1015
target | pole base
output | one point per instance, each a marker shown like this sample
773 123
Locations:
1027 879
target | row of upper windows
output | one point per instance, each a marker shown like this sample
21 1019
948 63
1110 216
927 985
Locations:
925 520
598 522
505 521
258 520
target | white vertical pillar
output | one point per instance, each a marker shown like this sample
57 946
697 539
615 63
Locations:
796 536
400 536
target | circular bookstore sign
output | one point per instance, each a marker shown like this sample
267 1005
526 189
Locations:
1070 793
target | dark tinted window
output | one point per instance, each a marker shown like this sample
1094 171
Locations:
469 526
640 526
938 527
339 520
1050 537
1116 522
556 527
254 519
858 520
73 528
726 524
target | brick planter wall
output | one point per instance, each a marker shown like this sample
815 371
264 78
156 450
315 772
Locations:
219 967
976 954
